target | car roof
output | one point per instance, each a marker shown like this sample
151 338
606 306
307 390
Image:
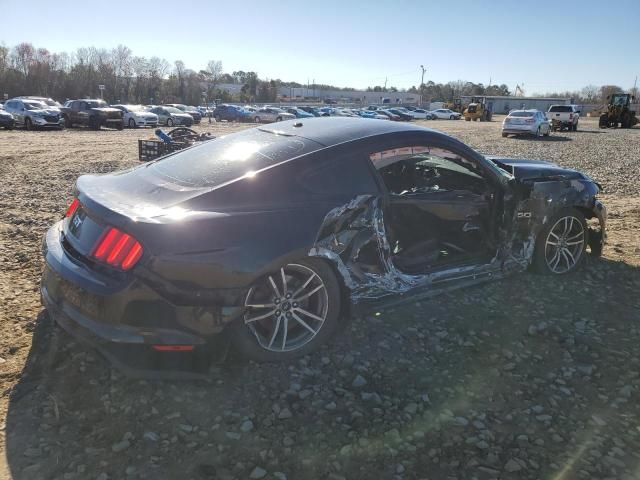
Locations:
335 130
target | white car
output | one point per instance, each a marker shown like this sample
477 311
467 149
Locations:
446 114
137 116
526 122
422 114
270 114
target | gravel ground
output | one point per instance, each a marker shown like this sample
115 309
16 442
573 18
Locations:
531 377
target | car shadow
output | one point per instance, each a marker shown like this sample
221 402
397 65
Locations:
550 138
485 354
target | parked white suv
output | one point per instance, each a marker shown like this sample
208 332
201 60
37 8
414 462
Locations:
563 116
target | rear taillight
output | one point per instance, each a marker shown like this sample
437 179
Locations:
72 208
117 249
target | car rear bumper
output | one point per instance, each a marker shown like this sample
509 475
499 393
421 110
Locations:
126 320
519 129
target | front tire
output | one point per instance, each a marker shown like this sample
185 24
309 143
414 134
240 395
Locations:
170 122
288 313
561 243
132 123
28 124
256 120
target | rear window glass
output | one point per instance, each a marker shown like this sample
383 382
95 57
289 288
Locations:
228 158
561 108
522 114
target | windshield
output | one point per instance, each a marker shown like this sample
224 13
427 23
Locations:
52 103
172 110
560 108
228 158
97 103
521 114
32 105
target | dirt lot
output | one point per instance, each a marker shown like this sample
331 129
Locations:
530 377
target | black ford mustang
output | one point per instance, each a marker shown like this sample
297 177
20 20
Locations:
265 239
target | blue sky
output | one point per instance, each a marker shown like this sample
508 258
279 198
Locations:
545 46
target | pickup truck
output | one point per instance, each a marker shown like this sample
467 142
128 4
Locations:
563 116
91 113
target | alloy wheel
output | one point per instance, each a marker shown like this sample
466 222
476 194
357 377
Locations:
564 244
285 311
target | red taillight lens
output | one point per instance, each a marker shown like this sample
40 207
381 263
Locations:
72 208
117 249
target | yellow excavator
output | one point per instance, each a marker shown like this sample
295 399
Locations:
455 106
618 112
477 110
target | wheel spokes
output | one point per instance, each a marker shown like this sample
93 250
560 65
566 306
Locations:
297 292
285 328
308 294
273 285
275 332
284 281
303 323
260 317
309 314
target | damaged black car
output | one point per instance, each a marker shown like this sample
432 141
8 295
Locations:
268 239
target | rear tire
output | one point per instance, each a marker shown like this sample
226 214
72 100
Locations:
67 122
256 120
279 119
561 243
132 123
120 126
603 121
505 135
261 336
218 118
28 124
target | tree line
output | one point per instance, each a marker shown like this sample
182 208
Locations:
127 78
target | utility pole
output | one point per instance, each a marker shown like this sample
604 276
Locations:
422 85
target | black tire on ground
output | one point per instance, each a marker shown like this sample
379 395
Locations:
279 119
505 135
170 122
120 125
603 121
28 124
218 118
67 122
539 262
94 124
452 117
246 342
257 119
132 123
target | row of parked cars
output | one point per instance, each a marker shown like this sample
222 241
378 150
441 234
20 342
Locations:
40 112
248 113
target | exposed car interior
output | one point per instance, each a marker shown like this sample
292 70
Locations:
439 210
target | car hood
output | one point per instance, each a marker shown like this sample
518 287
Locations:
525 169
46 111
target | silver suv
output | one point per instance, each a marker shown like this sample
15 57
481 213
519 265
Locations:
32 114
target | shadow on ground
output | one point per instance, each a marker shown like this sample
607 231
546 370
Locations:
521 378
